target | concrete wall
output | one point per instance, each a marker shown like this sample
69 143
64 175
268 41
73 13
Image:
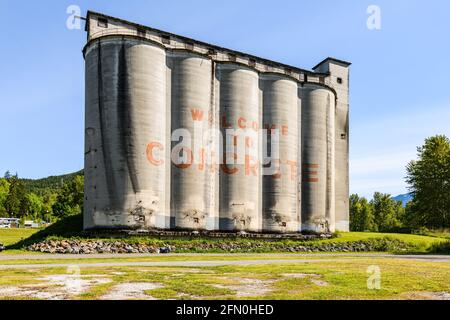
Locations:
142 87
282 112
125 109
317 158
339 80
190 88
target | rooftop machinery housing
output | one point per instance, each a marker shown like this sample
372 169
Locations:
145 85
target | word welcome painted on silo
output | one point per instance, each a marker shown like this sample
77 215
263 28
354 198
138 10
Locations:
240 146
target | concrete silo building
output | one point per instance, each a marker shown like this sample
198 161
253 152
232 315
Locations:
159 112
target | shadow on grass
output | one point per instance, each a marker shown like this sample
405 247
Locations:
66 227
440 248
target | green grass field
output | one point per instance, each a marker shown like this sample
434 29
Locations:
355 236
423 243
335 278
12 236
306 277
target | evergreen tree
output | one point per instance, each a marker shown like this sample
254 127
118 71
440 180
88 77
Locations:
429 180
15 204
7 175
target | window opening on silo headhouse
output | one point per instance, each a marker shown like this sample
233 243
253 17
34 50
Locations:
165 39
102 23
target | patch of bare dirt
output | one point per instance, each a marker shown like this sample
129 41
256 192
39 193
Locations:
55 287
424 295
131 291
314 278
248 287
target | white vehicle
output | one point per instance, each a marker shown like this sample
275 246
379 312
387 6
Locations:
5 226
30 224
10 222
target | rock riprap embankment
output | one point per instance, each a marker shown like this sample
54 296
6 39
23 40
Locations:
92 246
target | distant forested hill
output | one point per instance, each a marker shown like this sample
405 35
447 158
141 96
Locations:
404 198
52 183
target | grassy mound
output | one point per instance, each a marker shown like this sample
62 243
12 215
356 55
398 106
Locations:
65 228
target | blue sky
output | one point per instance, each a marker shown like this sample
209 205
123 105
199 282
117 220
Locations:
400 90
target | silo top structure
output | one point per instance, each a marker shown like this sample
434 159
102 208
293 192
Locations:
182 134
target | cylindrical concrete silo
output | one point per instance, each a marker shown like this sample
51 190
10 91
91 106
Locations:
280 203
125 134
191 100
331 165
240 184
317 104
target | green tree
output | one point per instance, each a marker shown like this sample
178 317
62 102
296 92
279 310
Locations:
354 213
34 206
15 204
4 191
49 199
429 182
361 214
367 216
387 212
409 218
70 199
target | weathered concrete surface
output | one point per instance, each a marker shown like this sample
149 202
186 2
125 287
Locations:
125 110
190 106
317 153
281 112
142 84
339 80
240 186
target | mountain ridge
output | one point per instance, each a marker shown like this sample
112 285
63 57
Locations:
54 183
403 198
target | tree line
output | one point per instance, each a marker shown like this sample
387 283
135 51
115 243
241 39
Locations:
42 200
428 180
